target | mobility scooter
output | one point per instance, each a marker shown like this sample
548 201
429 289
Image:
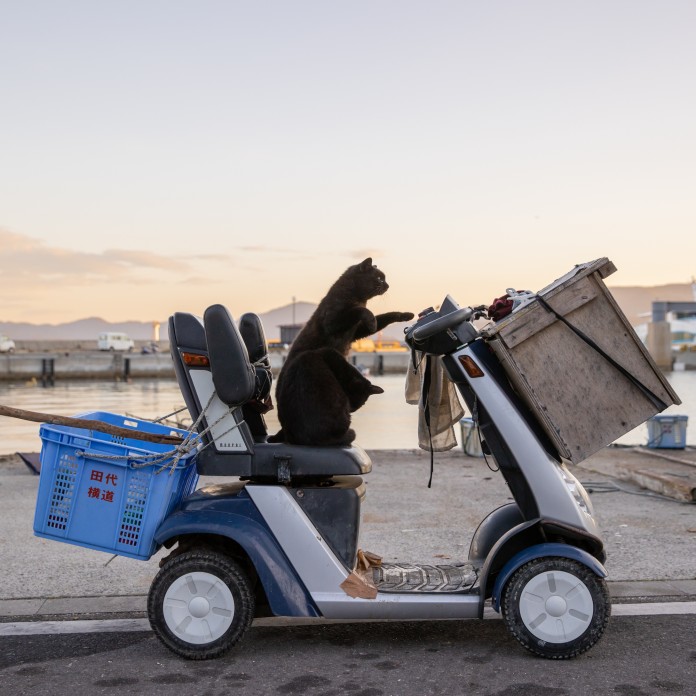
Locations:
282 539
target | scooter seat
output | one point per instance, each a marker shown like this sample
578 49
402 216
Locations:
285 462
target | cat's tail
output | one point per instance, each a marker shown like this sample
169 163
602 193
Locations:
278 437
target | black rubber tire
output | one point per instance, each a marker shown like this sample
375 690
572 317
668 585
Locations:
510 607
230 573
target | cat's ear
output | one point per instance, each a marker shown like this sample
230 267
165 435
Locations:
367 263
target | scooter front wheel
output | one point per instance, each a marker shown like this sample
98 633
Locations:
556 607
200 604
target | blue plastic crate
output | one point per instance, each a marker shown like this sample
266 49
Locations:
667 432
111 505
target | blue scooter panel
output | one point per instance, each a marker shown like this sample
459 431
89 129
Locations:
541 551
228 511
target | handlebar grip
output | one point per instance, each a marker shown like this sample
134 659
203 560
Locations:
424 332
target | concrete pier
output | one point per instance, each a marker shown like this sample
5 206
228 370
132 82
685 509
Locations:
84 364
47 366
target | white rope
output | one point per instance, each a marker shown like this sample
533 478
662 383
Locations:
173 413
192 441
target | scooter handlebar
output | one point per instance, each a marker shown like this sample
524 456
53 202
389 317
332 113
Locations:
422 333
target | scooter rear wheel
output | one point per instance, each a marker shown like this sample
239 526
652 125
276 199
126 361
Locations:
200 604
556 607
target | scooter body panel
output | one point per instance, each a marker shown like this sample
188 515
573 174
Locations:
492 528
322 573
401 607
228 511
543 551
556 493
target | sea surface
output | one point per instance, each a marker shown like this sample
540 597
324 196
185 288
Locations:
385 422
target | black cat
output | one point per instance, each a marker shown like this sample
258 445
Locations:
318 388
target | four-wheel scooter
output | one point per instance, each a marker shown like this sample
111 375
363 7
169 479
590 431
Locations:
285 536
282 539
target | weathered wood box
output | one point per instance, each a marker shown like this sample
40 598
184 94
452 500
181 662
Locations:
583 399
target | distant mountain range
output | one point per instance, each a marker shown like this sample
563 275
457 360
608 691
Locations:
635 301
89 329
81 330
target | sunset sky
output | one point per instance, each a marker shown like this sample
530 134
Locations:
162 155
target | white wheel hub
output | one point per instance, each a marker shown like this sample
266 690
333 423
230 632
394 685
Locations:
556 606
198 607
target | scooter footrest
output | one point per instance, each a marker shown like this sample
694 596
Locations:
405 577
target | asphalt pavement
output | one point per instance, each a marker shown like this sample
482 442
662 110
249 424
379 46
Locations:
637 656
650 535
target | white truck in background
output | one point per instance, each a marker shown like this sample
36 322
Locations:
7 345
113 340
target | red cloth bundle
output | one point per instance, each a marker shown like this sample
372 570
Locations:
500 308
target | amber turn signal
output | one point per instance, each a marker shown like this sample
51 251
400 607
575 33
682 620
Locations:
195 360
472 369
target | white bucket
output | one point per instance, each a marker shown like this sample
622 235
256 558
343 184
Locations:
471 444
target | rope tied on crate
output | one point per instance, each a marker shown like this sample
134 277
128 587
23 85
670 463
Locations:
182 446
192 441
161 419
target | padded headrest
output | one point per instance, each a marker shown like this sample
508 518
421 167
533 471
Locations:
186 331
251 328
234 377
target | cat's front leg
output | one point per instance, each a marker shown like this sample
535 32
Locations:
382 320
391 318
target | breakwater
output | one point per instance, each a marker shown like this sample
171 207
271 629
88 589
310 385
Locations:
46 366
83 364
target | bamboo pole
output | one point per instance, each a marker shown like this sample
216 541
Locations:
88 424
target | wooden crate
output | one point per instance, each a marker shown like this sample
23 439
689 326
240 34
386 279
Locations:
581 399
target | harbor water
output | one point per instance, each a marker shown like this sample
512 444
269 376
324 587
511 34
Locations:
385 422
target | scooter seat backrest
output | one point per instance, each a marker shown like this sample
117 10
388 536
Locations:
220 424
251 329
234 376
186 337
